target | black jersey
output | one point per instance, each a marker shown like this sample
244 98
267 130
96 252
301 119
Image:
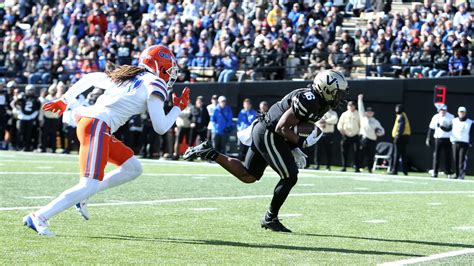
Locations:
29 104
305 103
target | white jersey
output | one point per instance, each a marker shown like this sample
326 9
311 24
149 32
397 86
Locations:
119 102
439 121
461 130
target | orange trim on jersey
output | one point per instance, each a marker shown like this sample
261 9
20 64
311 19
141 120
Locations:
97 147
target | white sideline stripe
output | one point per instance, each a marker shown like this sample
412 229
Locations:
203 209
430 258
306 185
38 197
352 193
435 203
375 221
467 227
195 176
315 173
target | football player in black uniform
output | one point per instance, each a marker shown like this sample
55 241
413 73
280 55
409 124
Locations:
275 143
28 106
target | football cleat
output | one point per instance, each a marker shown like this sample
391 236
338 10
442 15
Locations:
203 150
81 208
274 225
37 224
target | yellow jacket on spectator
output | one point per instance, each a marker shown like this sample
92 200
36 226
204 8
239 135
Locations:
273 17
401 126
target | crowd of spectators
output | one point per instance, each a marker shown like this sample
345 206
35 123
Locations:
60 40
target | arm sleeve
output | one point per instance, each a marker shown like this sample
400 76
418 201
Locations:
241 122
206 119
97 79
331 118
379 126
341 122
471 133
433 123
158 87
230 123
429 134
161 122
360 106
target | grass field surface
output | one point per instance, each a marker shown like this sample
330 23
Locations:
196 213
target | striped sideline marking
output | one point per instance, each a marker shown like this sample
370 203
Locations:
430 258
351 193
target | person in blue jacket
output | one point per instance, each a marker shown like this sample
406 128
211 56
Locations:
223 124
246 116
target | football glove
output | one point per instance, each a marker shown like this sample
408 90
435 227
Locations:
300 158
312 138
57 106
183 101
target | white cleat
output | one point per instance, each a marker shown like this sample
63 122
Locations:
81 208
37 224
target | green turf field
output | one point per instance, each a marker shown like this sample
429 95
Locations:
196 213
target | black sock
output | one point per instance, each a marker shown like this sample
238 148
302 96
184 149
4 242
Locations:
280 194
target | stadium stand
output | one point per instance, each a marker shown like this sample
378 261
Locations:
46 41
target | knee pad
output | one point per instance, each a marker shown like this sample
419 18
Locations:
133 167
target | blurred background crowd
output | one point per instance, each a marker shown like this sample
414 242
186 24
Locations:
229 40
49 44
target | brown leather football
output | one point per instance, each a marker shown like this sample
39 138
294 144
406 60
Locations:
303 129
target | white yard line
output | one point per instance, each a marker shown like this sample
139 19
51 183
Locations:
309 173
351 193
430 258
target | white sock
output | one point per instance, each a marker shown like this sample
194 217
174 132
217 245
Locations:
85 189
127 172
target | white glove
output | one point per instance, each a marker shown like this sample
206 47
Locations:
312 138
300 158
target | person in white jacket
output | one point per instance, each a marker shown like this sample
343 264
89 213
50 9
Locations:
349 127
461 137
370 130
440 128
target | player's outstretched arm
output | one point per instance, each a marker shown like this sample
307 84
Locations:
97 79
161 122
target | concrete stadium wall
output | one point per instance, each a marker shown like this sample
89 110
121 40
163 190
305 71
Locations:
382 95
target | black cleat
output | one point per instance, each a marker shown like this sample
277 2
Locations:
274 225
203 150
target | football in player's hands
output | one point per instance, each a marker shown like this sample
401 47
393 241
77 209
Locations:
303 129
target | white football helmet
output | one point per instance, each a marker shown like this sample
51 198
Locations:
331 85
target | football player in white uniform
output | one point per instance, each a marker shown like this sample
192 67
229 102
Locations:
129 90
